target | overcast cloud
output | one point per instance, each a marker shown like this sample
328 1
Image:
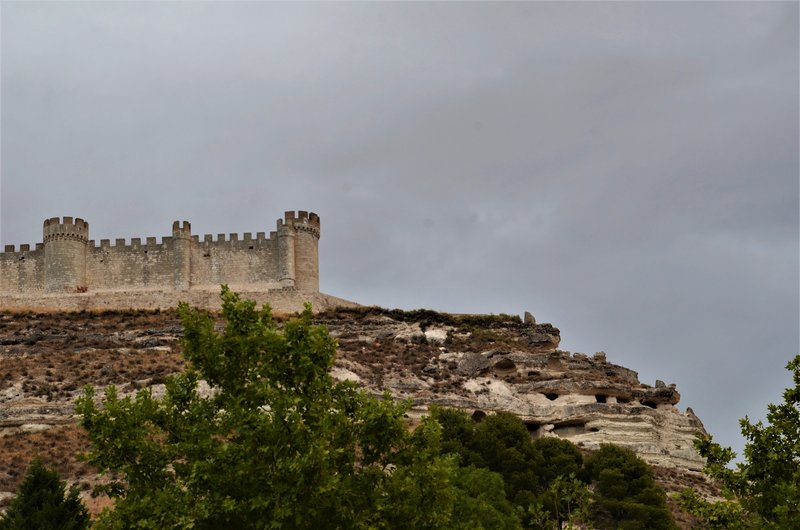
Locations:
627 171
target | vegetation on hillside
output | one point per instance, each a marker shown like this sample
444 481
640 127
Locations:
427 317
255 434
276 442
549 480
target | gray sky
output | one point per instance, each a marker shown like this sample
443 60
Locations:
627 171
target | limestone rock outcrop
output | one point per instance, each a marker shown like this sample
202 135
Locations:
502 364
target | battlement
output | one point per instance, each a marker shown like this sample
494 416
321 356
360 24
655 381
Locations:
11 249
54 228
67 261
300 220
181 230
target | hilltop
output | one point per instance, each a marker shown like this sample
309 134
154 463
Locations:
479 363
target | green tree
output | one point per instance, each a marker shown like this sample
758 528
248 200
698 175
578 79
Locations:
566 501
625 494
767 482
538 475
560 458
274 443
41 504
505 445
501 443
483 500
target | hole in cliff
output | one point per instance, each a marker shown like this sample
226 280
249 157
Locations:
551 396
145 252
478 415
650 404
533 429
569 429
600 398
250 247
594 429
623 400
505 365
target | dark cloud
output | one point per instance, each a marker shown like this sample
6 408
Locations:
628 171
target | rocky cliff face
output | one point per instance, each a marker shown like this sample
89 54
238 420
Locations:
490 364
479 363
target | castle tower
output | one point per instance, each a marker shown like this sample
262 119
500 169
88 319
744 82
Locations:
298 251
306 251
65 247
182 240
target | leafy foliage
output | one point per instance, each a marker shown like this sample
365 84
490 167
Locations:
538 475
767 483
500 443
275 442
41 504
625 494
566 500
725 514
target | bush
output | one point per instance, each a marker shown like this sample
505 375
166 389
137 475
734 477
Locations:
41 503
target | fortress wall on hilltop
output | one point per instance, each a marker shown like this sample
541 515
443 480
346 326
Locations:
135 266
239 261
68 262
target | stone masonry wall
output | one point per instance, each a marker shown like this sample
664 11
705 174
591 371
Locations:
22 271
132 266
246 261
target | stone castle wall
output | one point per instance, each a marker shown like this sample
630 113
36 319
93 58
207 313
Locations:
67 262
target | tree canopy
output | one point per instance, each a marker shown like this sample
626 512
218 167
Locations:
548 479
625 494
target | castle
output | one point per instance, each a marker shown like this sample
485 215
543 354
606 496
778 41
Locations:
70 271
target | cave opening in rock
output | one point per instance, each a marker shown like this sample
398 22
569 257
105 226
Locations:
478 415
505 365
600 398
534 429
551 396
623 400
568 429
651 404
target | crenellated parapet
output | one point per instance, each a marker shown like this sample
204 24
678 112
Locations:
182 229
67 261
68 229
305 221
